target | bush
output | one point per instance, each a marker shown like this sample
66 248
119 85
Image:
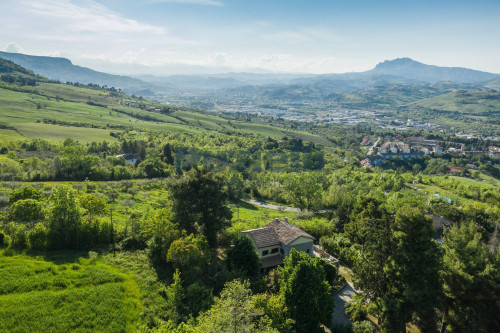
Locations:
364 326
27 210
18 236
37 237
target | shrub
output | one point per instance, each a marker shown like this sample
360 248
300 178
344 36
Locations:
363 327
37 237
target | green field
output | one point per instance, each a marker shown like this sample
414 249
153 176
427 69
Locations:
63 293
28 113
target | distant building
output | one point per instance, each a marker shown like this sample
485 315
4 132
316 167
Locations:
129 158
365 141
406 148
471 166
438 150
275 240
454 169
366 163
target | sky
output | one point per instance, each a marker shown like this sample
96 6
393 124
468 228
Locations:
163 37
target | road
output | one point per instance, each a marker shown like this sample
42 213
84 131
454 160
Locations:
370 150
271 206
280 208
341 298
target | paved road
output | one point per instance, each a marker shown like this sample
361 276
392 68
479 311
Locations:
341 298
271 206
280 208
370 150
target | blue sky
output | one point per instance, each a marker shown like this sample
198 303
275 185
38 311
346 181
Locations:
206 36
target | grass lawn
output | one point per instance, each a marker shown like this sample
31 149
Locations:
65 293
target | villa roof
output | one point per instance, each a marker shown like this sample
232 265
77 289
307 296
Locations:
276 232
263 237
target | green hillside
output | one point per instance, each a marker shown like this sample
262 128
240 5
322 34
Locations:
56 111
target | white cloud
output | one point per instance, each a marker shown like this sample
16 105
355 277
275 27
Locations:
88 17
13 48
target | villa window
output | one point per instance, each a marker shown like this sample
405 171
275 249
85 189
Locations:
265 253
275 250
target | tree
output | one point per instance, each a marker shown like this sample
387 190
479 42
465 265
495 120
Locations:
167 154
198 204
370 227
304 190
175 299
95 206
65 219
37 237
235 184
159 230
243 256
234 311
471 281
27 210
305 292
26 192
190 255
412 271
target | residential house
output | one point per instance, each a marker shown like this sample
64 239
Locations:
275 240
129 158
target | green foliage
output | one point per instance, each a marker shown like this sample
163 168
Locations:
37 237
93 205
304 190
233 311
305 292
190 255
364 326
65 219
356 308
175 296
273 307
412 272
160 232
26 192
27 210
471 279
75 296
198 204
242 256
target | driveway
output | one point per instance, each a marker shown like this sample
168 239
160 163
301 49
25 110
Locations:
341 298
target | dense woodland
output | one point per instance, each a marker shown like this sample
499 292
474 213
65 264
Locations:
155 245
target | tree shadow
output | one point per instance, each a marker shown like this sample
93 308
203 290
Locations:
246 205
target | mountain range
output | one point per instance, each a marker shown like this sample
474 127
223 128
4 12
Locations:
391 72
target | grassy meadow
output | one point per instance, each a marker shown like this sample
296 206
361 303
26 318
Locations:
62 293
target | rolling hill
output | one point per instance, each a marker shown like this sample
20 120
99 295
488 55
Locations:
63 70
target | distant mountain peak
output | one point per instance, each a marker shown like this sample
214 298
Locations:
398 62
414 70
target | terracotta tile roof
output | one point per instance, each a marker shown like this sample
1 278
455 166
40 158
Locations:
271 261
287 232
275 233
263 237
